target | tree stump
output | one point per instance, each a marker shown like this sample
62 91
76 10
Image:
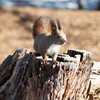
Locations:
23 76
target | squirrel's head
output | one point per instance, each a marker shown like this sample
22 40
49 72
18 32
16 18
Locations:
57 33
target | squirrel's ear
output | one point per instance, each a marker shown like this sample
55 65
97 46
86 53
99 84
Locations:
59 24
53 27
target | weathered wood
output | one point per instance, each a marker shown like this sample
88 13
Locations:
23 76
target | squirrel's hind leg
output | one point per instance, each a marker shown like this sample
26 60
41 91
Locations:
45 61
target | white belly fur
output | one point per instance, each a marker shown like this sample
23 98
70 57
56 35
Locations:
53 49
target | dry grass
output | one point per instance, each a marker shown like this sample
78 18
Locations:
81 27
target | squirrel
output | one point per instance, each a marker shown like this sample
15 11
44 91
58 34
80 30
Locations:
48 37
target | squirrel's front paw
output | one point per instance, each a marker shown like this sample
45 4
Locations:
55 62
45 61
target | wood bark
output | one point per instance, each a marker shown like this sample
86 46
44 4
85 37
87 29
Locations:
23 76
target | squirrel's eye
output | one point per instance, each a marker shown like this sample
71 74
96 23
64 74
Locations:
58 36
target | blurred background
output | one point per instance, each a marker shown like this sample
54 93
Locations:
80 20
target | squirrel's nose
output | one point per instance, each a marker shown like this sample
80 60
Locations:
64 41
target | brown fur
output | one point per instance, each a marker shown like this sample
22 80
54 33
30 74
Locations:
44 24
